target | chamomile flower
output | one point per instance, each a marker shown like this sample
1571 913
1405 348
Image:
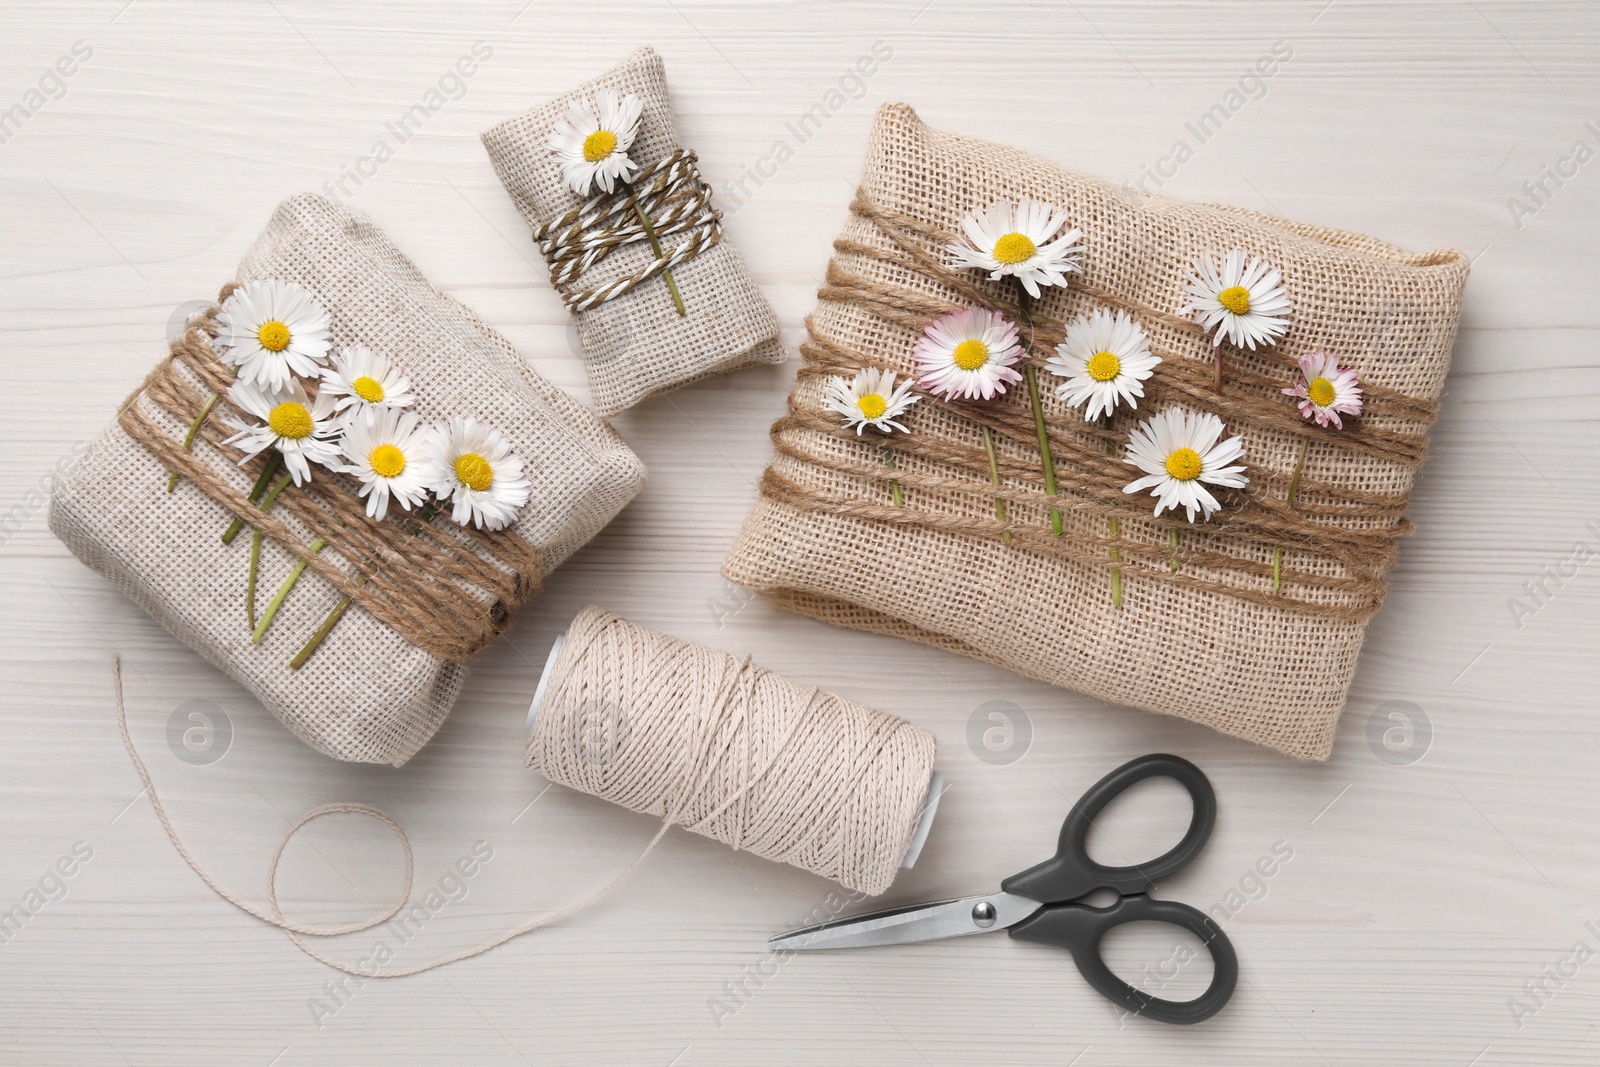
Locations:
270 331
286 419
968 354
470 464
1180 453
385 448
1024 240
1105 360
1242 303
1325 391
363 380
871 398
592 142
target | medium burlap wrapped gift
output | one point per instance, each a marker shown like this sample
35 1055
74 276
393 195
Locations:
636 343
424 595
1201 632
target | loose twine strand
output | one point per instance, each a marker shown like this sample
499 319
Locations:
299 931
731 751
669 192
447 589
1357 528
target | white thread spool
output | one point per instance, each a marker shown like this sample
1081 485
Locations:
732 751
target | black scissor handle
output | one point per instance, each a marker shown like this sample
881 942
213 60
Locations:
1080 929
1071 874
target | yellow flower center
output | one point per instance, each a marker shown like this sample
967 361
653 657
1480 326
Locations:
368 389
1014 248
1184 464
971 354
872 405
474 471
291 419
387 461
1236 298
598 145
1321 392
274 336
1104 366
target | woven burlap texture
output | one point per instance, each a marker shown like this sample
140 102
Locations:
1274 671
367 695
636 344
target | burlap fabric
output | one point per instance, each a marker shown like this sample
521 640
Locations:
636 344
1212 641
367 695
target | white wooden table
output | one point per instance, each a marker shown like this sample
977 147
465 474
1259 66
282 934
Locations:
1436 883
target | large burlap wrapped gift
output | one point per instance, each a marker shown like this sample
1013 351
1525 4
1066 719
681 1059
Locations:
423 594
1201 631
636 343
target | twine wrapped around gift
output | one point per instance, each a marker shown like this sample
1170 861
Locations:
448 589
1090 477
669 192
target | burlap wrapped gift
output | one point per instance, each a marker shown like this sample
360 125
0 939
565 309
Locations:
424 594
635 343
1201 632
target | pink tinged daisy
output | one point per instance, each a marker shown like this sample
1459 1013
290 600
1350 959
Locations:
1105 360
269 331
1181 453
471 465
1325 391
365 380
1028 240
385 452
302 430
1242 303
592 142
968 354
871 398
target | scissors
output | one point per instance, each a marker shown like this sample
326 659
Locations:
1040 903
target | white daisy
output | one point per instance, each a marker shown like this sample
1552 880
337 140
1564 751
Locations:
1243 303
968 354
1325 391
470 464
1105 360
1020 240
299 428
385 447
870 399
1178 451
592 142
363 379
270 331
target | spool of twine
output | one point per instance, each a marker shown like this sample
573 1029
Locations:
713 743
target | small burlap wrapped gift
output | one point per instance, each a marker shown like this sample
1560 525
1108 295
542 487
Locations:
636 343
1201 632
424 595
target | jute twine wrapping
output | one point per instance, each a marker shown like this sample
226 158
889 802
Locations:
635 342
703 739
1213 642
425 595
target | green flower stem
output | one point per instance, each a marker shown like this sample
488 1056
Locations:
1046 460
322 631
255 494
666 275
1172 540
1114 524
994 477
188 438
250 582
283 591
1294 484
894 483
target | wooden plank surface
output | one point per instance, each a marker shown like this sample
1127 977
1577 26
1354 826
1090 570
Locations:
1433 912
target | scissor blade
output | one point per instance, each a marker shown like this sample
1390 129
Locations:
920 922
